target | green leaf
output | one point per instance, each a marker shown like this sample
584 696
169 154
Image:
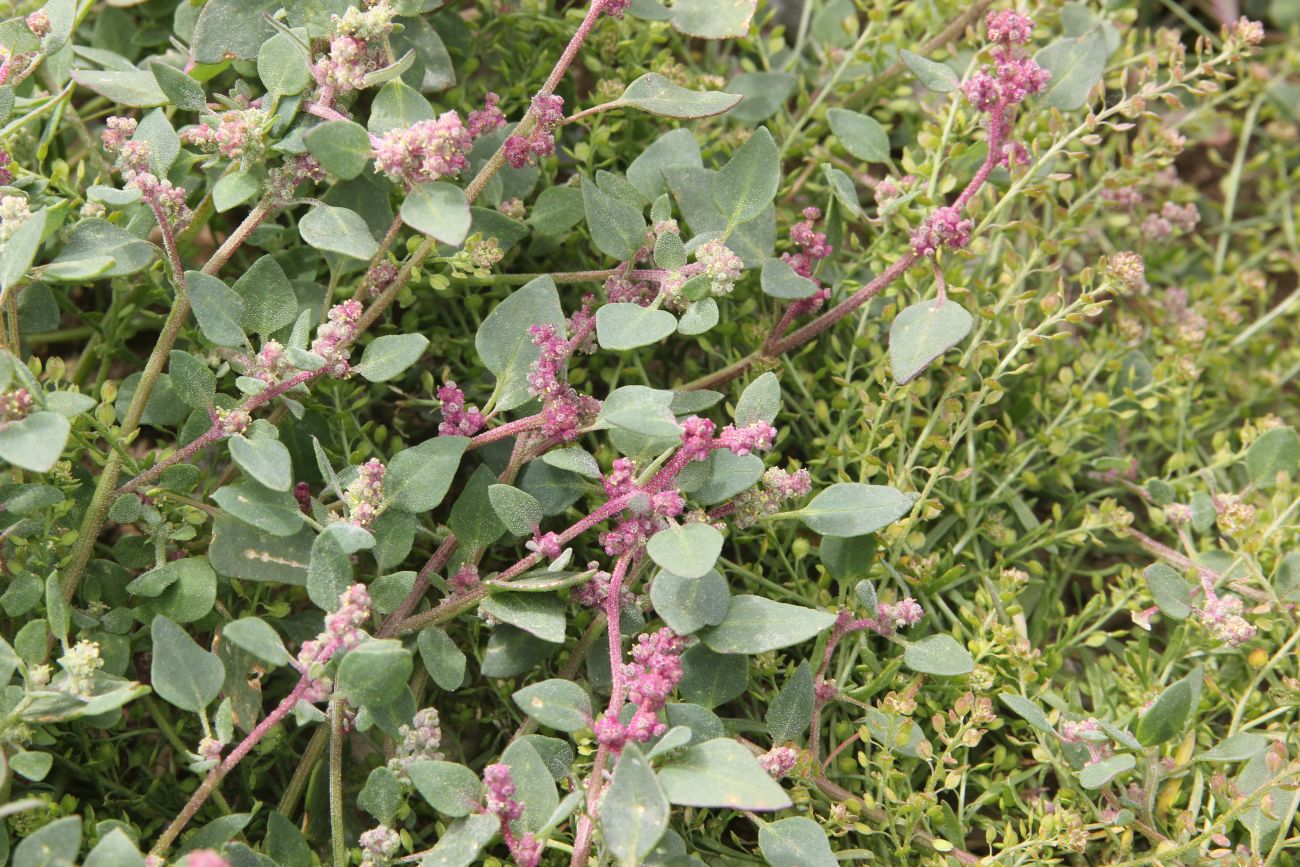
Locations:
518 510
419 477
35 443
382 795
1236 748
438 210
617 229
473 520
689 604
397 105
451 789
657 95
779 280
852 509
795 842
264 459
720 476
634 811
443 659
624 325
1170 589
708 19
330 572
720 773
194 381
52 845
921 333
1100 773
21 248
343 147
245 552
184 92
676 148
862 136
461 843
232 29
746 185
183 590
760 401
31 765
504 343
1076 66
389 356
1168 714
235 189
938 77
257 637
847 557
764 94
534 782
269 300
711 679
1029 711
537 614
1276 451
218 308
98 248
556 211
282 66
755 624
790 712
375 672
939 655
183 673
338 230
164 145
559 704
689 550
115 849
134 89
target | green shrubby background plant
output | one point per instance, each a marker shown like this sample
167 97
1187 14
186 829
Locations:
923 424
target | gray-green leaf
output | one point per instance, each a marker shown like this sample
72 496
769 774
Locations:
183 673
746 185
939 655
438 210
852 509
689 550
634 812
921 333
755 624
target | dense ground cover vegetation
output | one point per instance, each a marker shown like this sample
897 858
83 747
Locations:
649 433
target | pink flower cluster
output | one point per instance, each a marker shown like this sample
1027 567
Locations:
465 579
756 437
419 741
722 266
6 176
760 501
378 846
342 632
1087 732
778 761
425 151
239 136
943 228
526 850
457 419
167 200
620 289
487 119
651 676
899 615
547 111
564 411
1172 216
1222 616
365 495
595 593
39 23
811 243
335 335
351 56
1013 75
271 363
615 8
205 858
15 405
